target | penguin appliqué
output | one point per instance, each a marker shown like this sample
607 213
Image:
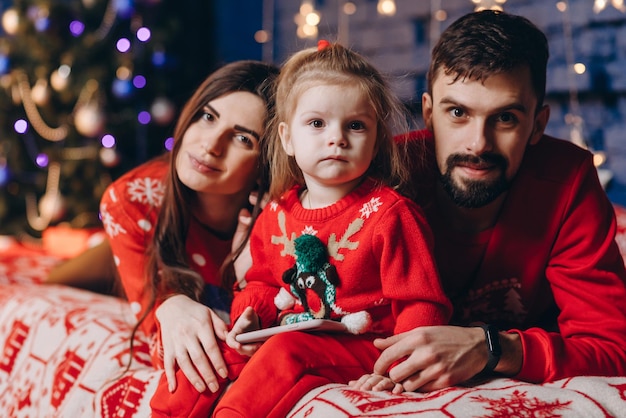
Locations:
313 281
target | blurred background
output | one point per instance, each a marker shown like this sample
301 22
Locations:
92 88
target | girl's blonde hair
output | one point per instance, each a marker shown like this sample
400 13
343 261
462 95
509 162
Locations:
334 64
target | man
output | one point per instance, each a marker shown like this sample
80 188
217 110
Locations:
524 232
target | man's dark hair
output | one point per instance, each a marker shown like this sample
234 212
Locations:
481 44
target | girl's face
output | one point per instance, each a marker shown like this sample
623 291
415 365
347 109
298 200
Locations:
331 135
220 151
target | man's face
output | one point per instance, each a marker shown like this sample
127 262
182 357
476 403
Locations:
481 132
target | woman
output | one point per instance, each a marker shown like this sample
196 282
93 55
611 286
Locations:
172 223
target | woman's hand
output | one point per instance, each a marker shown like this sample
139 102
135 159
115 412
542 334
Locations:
188 335
248 321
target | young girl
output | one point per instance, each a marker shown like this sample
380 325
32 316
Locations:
338 241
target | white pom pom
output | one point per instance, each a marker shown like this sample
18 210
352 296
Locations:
357 323
283 300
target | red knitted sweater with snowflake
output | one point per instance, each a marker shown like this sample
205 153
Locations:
129 209
378 242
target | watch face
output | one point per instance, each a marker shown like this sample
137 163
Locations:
494 350
493 340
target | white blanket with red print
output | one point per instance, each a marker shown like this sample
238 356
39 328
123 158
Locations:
64 353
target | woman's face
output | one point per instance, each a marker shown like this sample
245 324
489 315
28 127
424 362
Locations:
220 151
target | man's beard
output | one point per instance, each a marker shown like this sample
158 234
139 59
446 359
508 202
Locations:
475 193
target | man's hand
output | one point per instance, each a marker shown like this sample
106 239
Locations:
188 336
435 357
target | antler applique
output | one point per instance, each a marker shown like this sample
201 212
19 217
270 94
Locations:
334 246
288 243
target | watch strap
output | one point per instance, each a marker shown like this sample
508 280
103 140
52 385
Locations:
494 350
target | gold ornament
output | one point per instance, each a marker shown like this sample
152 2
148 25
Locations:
89 120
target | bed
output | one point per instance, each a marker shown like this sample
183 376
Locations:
65 353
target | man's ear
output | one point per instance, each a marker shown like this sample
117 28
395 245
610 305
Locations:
541 121
427 110
285 138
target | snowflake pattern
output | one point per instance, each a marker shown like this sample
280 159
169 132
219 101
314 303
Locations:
111 227
370 207
147 190
309 230
519 404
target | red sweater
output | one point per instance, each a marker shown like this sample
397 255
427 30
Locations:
129 210
380 245
549 269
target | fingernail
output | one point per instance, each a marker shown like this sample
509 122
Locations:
223 373
213 387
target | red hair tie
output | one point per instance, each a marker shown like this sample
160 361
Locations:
322 44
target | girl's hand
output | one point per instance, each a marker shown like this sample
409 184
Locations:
376 382
188 335
248 321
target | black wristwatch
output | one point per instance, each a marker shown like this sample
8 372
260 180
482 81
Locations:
493 347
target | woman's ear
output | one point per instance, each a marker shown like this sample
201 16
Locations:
541 121
285 138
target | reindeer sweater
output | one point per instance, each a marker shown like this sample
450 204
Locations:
378 243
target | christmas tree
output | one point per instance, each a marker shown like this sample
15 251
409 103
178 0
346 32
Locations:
89 89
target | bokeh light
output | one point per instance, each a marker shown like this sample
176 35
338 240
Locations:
143 34
139 81
158 58
169 143
121 88
20 126
4 64
42 160
5 175
123 45
108 141
144 117
77 28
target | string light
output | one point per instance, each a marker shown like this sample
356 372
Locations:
386 7
265 35
346 9
307 20
10 21
488 5
574 118
108 20
39 219
39 125
599 5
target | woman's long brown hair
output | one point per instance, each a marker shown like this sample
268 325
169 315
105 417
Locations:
168 269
